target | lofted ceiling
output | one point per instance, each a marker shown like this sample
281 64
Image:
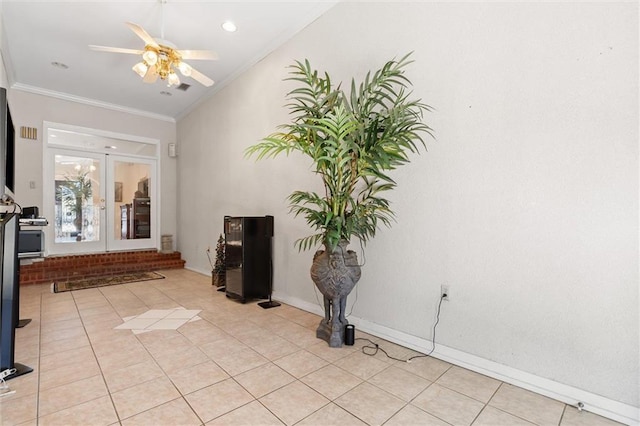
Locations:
37 34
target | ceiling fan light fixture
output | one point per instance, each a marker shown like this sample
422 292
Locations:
185 69
150 57
140 68
161 59
172 79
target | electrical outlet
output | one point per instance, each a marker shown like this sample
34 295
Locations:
444 292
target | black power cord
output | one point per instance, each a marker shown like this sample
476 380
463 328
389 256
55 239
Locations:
374 348
16 205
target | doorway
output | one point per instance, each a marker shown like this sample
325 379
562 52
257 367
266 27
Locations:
100 191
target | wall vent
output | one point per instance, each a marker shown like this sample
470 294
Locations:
183 87
29 133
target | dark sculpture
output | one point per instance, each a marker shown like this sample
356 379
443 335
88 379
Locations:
335 274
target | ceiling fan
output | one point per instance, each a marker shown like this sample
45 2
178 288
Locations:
161 58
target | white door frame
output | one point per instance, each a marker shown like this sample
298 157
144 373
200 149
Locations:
108 242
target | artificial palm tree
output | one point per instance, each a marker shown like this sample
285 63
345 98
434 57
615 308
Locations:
353 139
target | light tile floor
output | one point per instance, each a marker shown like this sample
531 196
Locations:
239 365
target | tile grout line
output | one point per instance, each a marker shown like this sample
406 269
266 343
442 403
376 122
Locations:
104 380
255 368
182 396
39 356
486 404
564 410
320 408
565 415
236 381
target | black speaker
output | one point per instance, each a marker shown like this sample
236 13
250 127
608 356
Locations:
248 251
349 334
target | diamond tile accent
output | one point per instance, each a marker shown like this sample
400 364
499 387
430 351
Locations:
159 319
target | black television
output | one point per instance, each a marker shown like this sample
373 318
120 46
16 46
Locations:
7 151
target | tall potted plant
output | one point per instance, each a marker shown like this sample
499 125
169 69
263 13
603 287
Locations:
353 139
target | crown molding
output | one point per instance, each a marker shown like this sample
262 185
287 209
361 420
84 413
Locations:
91 102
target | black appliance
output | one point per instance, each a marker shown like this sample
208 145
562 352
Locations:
30 213
248 257
30 243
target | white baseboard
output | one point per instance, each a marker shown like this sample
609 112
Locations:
198 270
570 395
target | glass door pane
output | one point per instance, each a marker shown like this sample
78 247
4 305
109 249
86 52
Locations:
78 208
132 208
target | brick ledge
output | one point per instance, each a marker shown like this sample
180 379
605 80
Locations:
81 266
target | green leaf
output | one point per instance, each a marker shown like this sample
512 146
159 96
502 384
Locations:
354 141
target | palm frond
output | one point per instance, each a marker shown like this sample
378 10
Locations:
353 140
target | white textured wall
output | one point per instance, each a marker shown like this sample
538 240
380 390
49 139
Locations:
3 73
3 70
31 110
526 205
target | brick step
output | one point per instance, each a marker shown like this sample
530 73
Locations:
77 267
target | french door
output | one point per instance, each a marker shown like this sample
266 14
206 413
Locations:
77 211
97 201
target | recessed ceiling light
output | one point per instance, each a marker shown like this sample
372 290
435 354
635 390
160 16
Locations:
110 147
165 93
60 65
229 26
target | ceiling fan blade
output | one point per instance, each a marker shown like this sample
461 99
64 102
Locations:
201 78
140 32
115 49
198 54
151 76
